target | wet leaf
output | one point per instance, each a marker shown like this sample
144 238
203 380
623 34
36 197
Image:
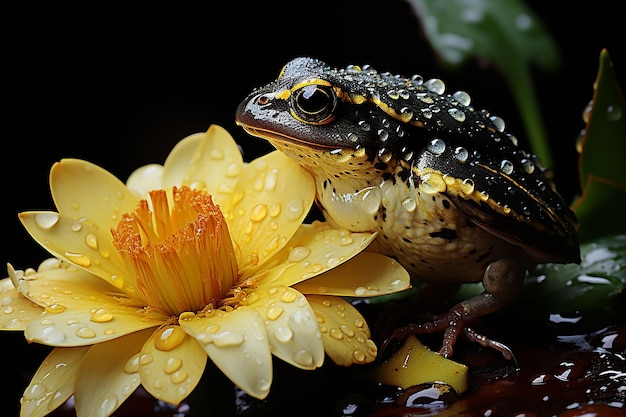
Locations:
506 33
602 146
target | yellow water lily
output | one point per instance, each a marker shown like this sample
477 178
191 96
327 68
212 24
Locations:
205 256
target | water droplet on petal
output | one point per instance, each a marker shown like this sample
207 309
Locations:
60 396
91 241
101 316
132 365
303 358
46 220
371 199
335 333
79 259
172 364
227 338
258 212
216 154
168 337
283 334
35 392
107 406
85 333
295 208
274 312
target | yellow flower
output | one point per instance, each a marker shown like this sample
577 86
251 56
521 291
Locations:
205 256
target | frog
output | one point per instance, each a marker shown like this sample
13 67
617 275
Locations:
450 193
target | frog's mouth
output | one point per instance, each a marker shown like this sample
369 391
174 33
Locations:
273 136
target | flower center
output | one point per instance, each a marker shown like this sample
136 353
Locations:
183 258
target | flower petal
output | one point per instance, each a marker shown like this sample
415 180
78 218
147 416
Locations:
108 375
291 326
81 243
210 160
81 309
17 310
81 189
315 249
237 343
272 198
54 381
171 375
345 333
145 179
367 274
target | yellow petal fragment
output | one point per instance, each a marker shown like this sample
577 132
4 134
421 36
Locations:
179 159
53 383
170 371
145 179
237 343
367 274
271 200
314 250
83 244
291 326
108 375
345 333
81 189
16 311
415 364
78 312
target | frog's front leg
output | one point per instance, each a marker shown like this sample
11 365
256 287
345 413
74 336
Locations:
502 281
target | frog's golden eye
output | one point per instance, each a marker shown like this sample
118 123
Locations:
313 104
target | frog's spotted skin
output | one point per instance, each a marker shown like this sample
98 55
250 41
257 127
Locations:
451 194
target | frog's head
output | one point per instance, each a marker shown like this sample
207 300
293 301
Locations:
317 115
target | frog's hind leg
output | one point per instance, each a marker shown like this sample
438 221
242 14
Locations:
502 281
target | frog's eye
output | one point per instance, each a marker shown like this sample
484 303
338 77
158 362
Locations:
313 104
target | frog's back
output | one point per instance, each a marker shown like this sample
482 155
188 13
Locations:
412 131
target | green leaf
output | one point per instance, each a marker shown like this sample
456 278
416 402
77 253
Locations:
601 207
505 32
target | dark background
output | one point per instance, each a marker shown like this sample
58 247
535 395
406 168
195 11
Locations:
119 85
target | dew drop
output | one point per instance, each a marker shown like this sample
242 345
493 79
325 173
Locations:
60 396
179 377
289 296
359 356
274 312
299 253
92 241
283 334
258 213
85 333
107 406
371 199
467 186
295 208
79 259
168 337
457 114
145 359
409 204
427 113
55 308
303 358
498 123
462 97
35 392
101 315
216 154
132 365
436 146
76 226
270 179
614 113
435 85
227 338
52 335
506 166
46 220
336 333
528 166
172 364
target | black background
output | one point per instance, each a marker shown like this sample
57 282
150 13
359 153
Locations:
120 84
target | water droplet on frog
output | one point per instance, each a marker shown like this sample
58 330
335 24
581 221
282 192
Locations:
467 186
528 166
409 204
498 123
437 146
393 94
461 154
46 220
457 114
462 97
417 79
506 166
168 337
435 85
364 126
371 199
383 135
427 113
